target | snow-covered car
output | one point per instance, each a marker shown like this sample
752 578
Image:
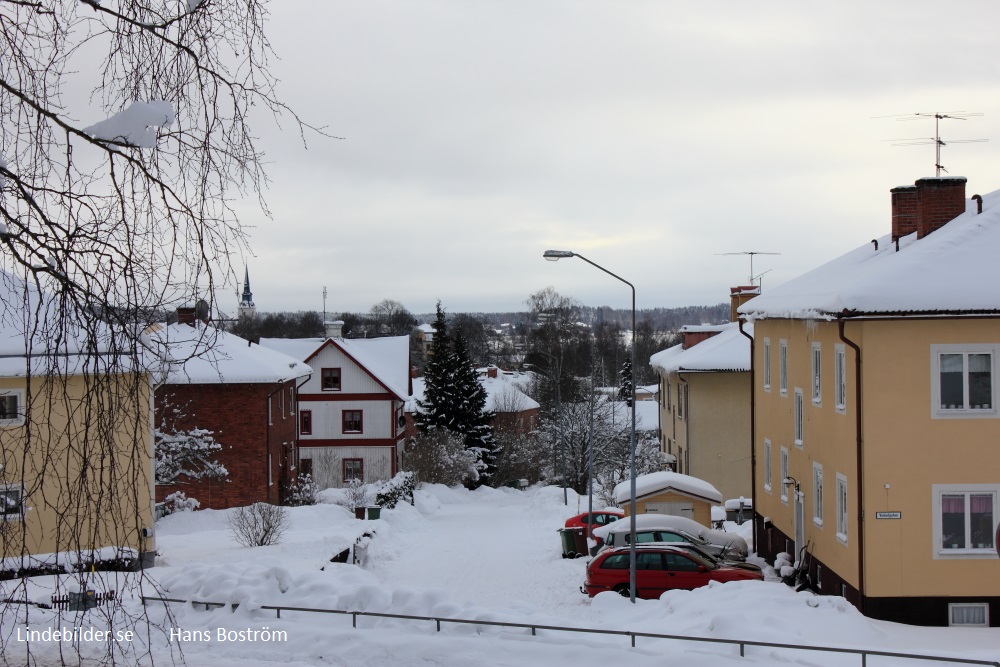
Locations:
667 528
659 568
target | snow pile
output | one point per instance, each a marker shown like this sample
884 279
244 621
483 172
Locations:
655 482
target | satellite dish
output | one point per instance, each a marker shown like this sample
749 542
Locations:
202 310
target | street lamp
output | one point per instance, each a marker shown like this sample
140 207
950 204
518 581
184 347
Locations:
554 256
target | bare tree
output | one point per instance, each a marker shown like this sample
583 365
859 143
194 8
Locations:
117 186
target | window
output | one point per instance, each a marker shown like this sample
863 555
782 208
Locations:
291 400
354 469
11 503
962 380
964 520
11 412
840 378
783 367
798 417
681 395
784 474
841 508
976 614
306 422
352 421
767 364
767 465
817 374
818 494
306 467
331 379
669 406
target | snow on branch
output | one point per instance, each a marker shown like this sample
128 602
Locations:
135 126
187 456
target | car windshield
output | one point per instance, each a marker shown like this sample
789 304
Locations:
693 539
701 560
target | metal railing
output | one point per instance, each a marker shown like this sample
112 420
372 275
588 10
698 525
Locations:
742 643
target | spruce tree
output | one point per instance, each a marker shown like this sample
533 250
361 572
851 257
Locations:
439 405
455 400
625 392
473 420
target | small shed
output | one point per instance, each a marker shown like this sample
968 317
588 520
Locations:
670 493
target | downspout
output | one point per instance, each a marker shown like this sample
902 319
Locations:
861 461
753 434
297 387
267 439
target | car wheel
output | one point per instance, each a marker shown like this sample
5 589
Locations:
622 590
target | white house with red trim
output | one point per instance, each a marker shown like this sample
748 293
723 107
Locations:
351 422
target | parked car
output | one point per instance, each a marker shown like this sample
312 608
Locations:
698 551
658 568
594 520
728 545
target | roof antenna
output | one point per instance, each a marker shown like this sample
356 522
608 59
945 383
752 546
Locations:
324 305
751 253
938 116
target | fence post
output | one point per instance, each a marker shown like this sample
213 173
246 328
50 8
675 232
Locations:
633 639
438 621
278 611
354 619
742 645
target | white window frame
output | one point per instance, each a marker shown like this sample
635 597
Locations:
18 515
954 606
784 474
842 519
767 465
966 551
840 378
818 494
767 364
783 367
798 417
817 374
18 395
965 411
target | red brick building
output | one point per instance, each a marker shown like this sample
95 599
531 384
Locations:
242 393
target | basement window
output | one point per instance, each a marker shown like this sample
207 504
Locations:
969 615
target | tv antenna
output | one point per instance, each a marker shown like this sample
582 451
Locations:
751 253
324 305
936 139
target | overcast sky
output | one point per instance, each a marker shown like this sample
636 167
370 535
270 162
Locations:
648 136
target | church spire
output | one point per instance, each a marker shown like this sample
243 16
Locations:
246 302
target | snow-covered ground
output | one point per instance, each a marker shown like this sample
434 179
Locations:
486 555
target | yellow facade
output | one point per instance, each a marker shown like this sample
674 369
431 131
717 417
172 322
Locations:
710 433
701 509
81 454
893 477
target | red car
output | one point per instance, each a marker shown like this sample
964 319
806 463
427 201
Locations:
594 520
658 568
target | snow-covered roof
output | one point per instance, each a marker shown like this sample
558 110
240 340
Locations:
656 482
387 358
951 270
650 522
201 354
503 394
41 333
728 350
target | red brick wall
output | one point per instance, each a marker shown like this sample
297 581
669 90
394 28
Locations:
237 416
940 201
904 210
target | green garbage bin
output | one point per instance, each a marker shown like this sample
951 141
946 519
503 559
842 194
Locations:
574 542
374 512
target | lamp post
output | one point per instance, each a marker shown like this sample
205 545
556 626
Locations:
554 256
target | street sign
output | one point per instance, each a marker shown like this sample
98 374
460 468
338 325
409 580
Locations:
888 515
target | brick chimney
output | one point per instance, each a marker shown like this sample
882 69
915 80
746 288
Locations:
939 201
904 210
185 315
491 371
738 296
